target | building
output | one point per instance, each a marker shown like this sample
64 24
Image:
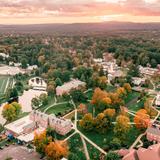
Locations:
67 87
151 153
153 132
37 83
10 70
4 56
60 125
30 68
24 128
147 71
157 101
138 81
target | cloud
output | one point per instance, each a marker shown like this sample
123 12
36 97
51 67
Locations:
74 8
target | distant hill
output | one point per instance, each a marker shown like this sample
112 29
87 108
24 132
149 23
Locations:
79 27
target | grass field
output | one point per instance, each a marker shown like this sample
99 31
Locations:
60 109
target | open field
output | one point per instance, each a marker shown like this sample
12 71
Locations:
60 109
5 83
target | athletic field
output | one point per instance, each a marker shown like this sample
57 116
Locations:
5 83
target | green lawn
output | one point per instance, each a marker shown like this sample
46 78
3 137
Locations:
131 96
60 109
76 146
110 88
99 138
93 152
51 101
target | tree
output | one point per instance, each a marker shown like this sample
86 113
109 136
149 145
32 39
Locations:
73 156
35 102
9 112
109 112
141 119
127 87
87 122
17 107
51 90
24 63
112 156
58 82
11 93
82 108
41 141
122 126
121 91
101 123
43 98
98 96
78 95
41 59
56 150
102 82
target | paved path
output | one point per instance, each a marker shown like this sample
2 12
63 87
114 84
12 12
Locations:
81 134
66 139
85 148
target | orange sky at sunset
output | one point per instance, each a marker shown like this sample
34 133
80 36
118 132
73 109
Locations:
74 11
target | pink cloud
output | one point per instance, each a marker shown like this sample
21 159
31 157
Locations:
72 8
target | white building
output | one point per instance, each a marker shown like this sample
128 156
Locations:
147 71
67 87
157 101
138 81
4 55
37 83
30 68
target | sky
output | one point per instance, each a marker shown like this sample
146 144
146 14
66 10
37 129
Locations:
78 11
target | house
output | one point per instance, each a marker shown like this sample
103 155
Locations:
151 153
67 87
24 128
157 101
37 83
153 132
138 81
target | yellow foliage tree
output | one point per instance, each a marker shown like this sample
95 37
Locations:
87 122
41 141
122 126
121 91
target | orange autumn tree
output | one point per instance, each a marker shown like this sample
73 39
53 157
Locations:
41 141
121 91
56 150
98 95
141 119
109 112
127 87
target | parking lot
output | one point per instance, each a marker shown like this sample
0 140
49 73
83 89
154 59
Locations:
18 153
